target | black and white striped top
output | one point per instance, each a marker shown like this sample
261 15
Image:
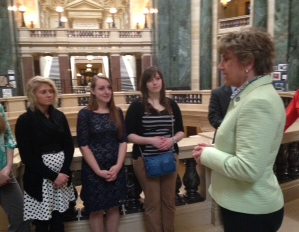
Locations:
139 122
156 125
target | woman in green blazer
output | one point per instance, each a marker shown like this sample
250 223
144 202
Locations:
243 182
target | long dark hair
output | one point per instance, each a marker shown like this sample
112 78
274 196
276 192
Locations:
113 110
145 77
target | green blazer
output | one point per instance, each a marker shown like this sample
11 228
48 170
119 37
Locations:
246 146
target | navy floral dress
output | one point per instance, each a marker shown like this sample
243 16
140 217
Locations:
100 134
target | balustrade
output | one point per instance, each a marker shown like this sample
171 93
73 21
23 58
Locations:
87 34
193 179
130 34
42 33
75 41
234 22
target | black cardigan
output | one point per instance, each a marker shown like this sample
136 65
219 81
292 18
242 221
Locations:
133 121
33 140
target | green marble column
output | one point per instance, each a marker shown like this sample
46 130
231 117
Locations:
206 44
281 30
260 14
9 59
6 59
173 42
293 48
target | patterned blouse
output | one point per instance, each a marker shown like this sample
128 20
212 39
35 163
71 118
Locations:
8 143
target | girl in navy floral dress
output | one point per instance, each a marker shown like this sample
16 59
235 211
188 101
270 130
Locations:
103 144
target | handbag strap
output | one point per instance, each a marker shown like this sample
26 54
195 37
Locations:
141 151
172 128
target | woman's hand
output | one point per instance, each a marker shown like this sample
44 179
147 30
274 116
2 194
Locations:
113 171
157 141
167 144
107 175
6 171
4 179
197 151
61 180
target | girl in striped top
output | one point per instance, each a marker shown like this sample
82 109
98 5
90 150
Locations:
154 124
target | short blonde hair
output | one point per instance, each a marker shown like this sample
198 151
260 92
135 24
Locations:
250 45
32 86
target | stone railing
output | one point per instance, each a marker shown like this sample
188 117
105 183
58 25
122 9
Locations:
193 180
191 187
194 108
76 40
231 24
193 105
190 179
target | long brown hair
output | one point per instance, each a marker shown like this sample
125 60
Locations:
113 110
145 77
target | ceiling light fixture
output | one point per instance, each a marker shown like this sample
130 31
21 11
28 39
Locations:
224 2
90 57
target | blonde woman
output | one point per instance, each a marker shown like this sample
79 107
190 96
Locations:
46 148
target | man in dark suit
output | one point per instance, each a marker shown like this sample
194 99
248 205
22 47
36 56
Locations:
219 101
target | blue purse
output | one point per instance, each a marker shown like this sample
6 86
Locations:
160 165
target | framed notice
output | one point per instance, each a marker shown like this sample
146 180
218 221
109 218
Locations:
11 78
280 85
284 77
7 92
282 67
3 81
276 76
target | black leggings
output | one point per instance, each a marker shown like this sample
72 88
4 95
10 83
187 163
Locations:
242 222
55 224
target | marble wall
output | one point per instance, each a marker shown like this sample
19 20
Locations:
293 46
281 31
260 13
173 42
6 60
286 37
9 56
206 34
